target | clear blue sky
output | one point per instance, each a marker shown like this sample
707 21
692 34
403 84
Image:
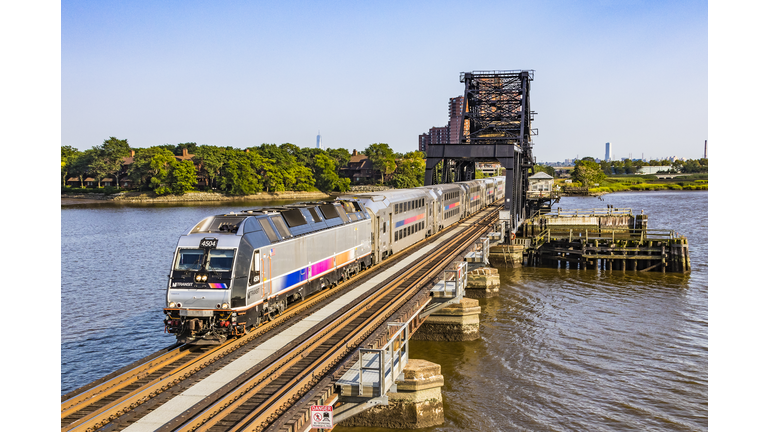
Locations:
242 73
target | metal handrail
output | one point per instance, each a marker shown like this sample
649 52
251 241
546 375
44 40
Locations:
591 212
602 234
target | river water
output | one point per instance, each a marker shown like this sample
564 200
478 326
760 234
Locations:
560 349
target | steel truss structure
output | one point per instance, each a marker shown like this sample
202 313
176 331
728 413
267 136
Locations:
496 127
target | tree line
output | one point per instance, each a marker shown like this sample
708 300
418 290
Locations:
264 168
589 172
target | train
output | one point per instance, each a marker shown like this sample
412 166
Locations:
231 272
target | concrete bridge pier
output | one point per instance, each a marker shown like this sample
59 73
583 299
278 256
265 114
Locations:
418 402
506 255
482 282
456 322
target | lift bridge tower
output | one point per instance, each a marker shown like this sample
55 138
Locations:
495 127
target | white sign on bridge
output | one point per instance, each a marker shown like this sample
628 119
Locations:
322 416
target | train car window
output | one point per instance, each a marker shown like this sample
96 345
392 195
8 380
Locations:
294 218
315 216
190 259
271 234
357 206
329 211
280 225
255 275
221 260
384 227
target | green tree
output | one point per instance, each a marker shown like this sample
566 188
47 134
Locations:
150 168
382 157
68 155
326 178
300 178
182 177
410 171
587 172
240 172
190 146
79 164
606 167
210 159
544 168
341 156
109 159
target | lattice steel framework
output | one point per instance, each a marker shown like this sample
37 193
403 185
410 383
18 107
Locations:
496 126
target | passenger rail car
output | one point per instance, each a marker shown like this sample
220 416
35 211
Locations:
233 271
400 218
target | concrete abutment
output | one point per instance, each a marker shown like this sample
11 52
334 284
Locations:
417 404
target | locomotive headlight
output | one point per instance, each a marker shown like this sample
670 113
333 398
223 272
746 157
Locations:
225 306
205 278
172 304
198 278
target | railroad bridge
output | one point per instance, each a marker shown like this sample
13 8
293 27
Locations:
347 347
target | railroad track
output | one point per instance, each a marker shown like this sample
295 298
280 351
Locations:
256 398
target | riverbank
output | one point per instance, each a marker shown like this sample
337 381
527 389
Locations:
150 197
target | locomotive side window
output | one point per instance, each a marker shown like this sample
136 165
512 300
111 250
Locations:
190 259
268 230
294 218
281 227
314 214
221 260
329 211
255 275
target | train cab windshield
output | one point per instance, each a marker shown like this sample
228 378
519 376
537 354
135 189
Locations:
219 260
190 259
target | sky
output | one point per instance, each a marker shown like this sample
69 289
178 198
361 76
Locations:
243 73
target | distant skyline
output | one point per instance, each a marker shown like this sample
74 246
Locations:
240 74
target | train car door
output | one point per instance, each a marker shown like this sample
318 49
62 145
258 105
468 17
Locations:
255 279
265 267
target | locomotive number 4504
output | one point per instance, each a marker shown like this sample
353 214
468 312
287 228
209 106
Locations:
209 242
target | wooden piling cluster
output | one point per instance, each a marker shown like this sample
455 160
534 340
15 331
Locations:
608 254
606 239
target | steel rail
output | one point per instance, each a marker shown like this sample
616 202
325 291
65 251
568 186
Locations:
95 394
208 418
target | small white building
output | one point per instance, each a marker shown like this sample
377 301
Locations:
541 182
653 169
